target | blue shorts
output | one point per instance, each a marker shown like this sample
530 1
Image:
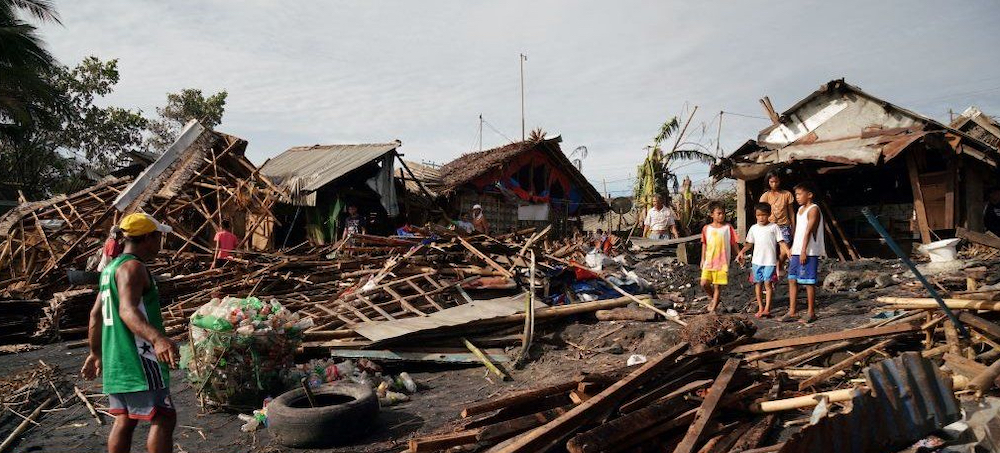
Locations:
761 274
786 233
804 274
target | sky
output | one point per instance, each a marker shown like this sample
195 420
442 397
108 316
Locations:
601 74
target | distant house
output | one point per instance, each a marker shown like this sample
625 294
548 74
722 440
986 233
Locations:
923 178
529 183
324 179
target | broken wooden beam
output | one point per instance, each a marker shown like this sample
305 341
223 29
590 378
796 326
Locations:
843 365
832 336
444 441
544 437
835 396
929 303
708 407
515 399
978 238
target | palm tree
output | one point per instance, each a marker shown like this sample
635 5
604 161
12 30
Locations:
24 66
654 175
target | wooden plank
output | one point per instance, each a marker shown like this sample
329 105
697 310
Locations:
988 328
432 356
928 303
546 436
964 366
843 365
444 441
506 429
918 198
805 357
832 336
514 399
977 237
708 407
483 256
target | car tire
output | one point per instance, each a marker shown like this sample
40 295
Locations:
345 411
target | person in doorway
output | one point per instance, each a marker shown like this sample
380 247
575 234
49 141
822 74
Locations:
718 241
782 210
807 246
355 223
479 222
225 243
113 247
765 239
991 213
659 218
129 347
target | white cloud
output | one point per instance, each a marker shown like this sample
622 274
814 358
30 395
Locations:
601 74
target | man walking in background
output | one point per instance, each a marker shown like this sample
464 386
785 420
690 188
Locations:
659 218
128 345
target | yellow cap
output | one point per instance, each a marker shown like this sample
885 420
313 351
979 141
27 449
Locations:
138 224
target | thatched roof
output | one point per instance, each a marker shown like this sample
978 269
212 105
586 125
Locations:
470 166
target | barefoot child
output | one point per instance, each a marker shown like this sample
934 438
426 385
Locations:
764 238
807 247
782 211
718 241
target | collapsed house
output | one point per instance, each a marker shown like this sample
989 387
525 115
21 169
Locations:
922 177
323 180
524 184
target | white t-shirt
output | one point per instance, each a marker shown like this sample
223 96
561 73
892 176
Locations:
765 243
660 219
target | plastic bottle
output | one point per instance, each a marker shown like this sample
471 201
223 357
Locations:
408 382
315 380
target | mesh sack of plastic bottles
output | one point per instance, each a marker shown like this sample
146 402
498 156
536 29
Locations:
240 349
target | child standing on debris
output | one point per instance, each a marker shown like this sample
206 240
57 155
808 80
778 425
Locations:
807 246
782 211
718 240
225 243
764 238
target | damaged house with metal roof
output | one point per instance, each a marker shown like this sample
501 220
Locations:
523 184
922 177
323 180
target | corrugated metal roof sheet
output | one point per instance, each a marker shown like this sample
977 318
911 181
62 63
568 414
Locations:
909 398
312 167
429 176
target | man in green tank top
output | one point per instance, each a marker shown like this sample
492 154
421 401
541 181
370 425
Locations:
128 345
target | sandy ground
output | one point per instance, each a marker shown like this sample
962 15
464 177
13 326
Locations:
562 351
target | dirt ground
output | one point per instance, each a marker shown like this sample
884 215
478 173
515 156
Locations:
562 351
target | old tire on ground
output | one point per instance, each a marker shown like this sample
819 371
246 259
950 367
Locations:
344 411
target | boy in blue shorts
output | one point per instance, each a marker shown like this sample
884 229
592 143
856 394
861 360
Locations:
807 246
764 238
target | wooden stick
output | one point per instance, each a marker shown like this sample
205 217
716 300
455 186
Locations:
486 360
90 407
440 442
24 424
483 256
518 398
799 402
928 303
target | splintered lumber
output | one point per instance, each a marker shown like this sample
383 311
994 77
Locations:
21 428
506 429
987 328
544 437
928 303
835 396
619 430
708 406
805 357
977 237
485 258
518 398
667 388
833 336
964 366
442 441
986 379
843 365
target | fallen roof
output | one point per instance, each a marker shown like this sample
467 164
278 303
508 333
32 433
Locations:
427 175
305 169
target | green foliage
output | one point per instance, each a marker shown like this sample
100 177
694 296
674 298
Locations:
182 107
654 175
24 64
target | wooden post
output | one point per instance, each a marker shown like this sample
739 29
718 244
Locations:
741 208
708 406
918 198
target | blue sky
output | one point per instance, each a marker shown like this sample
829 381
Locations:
601 74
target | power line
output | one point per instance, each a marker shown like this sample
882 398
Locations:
746 116
487 123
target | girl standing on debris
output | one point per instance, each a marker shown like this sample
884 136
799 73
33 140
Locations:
718 241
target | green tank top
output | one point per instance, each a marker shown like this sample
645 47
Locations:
128 361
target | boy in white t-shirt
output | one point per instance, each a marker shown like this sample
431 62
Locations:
764 238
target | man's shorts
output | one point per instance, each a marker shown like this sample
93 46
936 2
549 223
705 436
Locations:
804 274
761 274
659 235
141 405
715 277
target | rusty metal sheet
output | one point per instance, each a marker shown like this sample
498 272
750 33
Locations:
909 398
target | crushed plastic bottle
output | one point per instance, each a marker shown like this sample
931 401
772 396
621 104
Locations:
408 382
392 398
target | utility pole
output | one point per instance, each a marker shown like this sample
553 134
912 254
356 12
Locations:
523 58
480 131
